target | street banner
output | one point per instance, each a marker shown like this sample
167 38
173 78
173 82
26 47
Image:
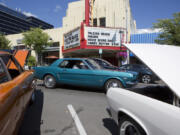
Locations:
97 36
72 39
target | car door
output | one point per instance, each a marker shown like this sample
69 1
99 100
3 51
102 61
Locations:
17 98
11 104
26 82
81 76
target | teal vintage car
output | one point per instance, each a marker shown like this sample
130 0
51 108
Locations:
83 72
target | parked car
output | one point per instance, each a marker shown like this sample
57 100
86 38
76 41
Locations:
82 72
145 74
108 66
152 110
16 92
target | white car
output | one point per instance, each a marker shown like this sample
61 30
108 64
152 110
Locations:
138 113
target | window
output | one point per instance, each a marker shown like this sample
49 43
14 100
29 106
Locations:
103 22
55 44
95 22
3 74
73 64
93 64
19 47
19 41
64 64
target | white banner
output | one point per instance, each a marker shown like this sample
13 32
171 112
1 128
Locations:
72 39
103 36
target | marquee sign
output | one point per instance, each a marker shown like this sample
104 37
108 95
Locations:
103 36
72 39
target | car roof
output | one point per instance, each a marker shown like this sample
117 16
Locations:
163 60
62 59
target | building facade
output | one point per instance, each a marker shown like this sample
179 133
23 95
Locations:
105 13
13 22
112 24
50 53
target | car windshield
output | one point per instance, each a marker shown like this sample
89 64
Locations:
93 64
103 63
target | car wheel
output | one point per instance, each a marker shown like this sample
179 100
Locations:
49 81
146 79
128 126
112 83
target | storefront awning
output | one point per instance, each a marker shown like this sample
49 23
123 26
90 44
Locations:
52 57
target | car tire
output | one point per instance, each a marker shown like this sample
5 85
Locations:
128 126
49 81
146 79
112 83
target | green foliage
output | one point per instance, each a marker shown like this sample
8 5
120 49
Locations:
36 39
170 30
4 42
31 61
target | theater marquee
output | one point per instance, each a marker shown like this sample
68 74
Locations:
72 39
103 36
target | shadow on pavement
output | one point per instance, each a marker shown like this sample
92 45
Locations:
76 88
32 118
110 125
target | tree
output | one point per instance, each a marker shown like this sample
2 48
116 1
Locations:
36 40
4 42
31 61
170 33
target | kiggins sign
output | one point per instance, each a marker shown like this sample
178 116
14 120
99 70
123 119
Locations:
72 39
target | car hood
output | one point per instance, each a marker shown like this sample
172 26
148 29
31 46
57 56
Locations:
118 70
163 60
21 56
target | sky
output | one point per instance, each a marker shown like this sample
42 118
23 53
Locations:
145 12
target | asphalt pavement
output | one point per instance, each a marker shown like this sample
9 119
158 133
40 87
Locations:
50 115
52 112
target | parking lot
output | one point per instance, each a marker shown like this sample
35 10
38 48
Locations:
51 114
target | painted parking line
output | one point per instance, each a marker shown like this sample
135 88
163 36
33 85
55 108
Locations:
77 121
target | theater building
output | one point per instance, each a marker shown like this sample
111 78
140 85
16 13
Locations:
93 28
97 28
